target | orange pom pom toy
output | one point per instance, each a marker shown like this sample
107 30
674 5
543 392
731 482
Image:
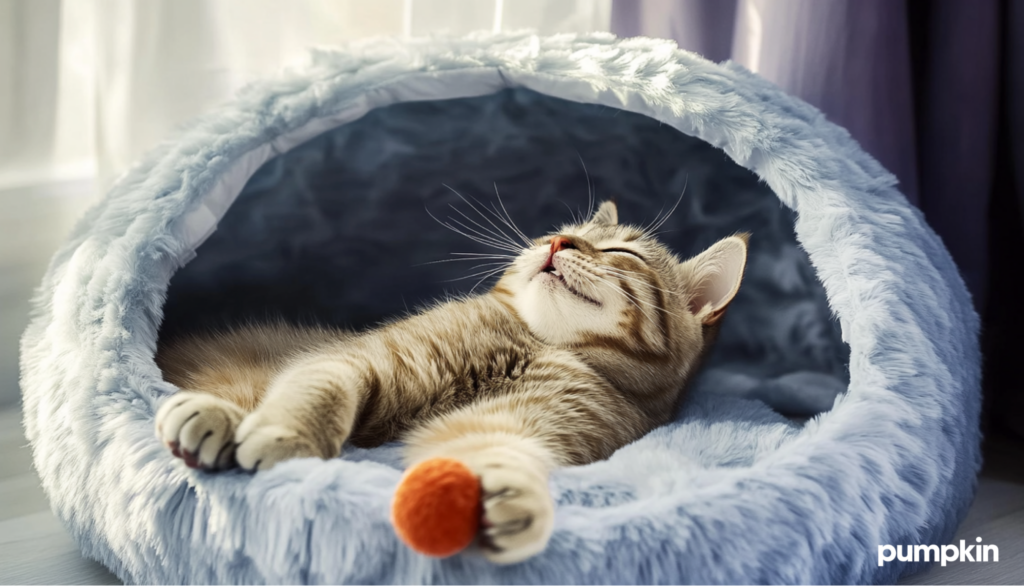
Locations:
436 510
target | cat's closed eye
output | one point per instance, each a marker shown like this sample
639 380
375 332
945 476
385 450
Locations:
625 251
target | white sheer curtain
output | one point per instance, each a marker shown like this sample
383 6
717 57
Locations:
86 86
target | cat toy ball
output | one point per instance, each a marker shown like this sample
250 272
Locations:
436 510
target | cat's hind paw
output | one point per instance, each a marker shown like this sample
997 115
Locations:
200 429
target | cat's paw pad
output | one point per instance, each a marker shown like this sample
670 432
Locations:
518 513
261 446
200 429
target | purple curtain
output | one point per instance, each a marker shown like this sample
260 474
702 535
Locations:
920 96
957 109
701 26
933 89
1015 92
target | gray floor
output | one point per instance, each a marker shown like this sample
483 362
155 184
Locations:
34 220
997 516
34 547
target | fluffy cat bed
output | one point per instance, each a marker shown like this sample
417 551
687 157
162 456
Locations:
838 413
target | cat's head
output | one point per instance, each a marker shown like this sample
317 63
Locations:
602 284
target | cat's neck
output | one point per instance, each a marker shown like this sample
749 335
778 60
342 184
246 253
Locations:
502 295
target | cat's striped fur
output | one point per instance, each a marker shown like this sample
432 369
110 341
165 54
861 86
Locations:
584 344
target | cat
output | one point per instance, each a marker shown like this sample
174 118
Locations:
583 345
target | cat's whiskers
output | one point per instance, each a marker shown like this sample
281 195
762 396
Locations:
495 238
619 274
613 286
575 277
636 301
635 281
631 277
502 266
585 267
483 254
496 233
502 257
590 187
485 241
589 283
572 215
510 222
650 230
498 230
485 277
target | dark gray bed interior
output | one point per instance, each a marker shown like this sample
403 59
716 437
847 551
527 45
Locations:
338 230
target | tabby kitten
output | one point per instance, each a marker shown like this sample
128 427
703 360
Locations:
584 345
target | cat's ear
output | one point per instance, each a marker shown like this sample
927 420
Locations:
714 276
607 213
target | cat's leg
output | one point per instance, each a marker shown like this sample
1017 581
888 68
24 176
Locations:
224 376
513 467
555 415
309 411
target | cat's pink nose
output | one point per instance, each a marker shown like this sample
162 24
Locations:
560 243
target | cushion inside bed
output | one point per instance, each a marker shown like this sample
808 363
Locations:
339 229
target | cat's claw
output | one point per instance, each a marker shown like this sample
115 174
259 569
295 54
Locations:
200 429
518 513
260 447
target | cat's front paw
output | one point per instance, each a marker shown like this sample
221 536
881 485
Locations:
261 445
518 513
200 429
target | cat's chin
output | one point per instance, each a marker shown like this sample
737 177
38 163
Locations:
557 316
556 281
